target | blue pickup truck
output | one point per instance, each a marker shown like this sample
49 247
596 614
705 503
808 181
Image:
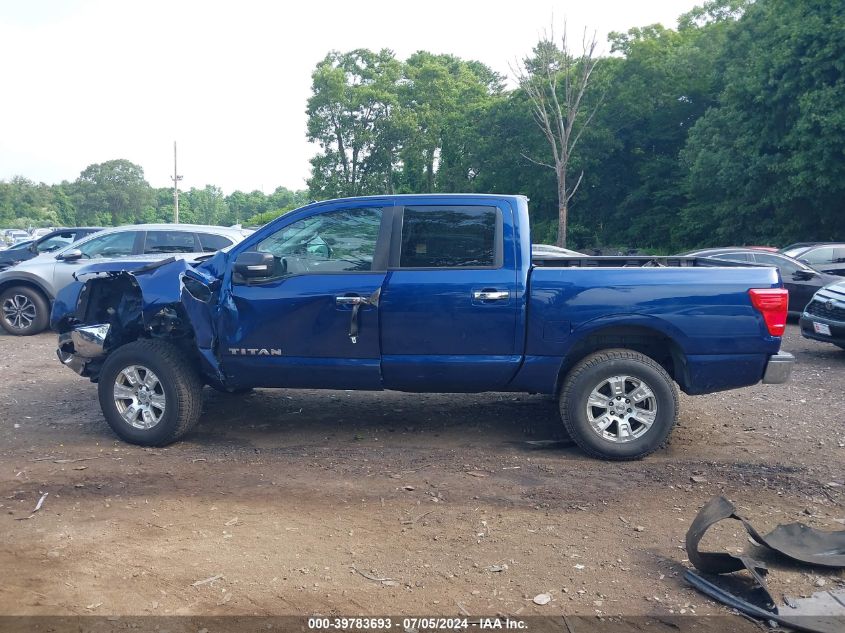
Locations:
422 293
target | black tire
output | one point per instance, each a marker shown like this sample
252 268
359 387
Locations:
178 382
594 373
36 311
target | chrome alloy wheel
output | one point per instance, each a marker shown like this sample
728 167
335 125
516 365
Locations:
621 408
139 397
19 311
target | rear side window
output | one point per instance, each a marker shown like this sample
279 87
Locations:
449 237
211 242
734 257
170 242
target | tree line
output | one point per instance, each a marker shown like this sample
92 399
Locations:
115 192
729 129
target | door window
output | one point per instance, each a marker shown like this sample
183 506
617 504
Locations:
786 267
734 257
819 256
111 245
170 242
449 237
55 242
333 242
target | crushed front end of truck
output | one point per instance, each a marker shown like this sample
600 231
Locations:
105 309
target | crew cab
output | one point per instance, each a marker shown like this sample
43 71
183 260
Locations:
422 293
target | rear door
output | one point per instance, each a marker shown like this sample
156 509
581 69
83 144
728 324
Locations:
449 307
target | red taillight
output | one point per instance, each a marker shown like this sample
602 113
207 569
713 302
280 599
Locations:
772 304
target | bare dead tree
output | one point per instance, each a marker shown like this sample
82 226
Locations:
556 82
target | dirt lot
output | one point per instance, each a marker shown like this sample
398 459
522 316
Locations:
300 501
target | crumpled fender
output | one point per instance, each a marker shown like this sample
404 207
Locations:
165 287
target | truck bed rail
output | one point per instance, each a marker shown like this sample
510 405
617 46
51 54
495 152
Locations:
639 261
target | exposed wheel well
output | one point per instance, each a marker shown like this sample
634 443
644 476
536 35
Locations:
654 344
14 283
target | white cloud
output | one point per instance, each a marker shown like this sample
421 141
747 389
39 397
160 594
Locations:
89 81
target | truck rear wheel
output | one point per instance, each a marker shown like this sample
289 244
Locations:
149 393
618 404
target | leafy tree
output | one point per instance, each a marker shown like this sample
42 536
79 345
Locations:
439 95
349 113
768 162
113 192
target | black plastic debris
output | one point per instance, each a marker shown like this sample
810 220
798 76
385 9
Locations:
796 541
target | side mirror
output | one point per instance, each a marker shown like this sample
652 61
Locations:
70 256
251 264
33 248
803 275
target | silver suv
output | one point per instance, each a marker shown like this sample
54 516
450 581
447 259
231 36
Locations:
27 290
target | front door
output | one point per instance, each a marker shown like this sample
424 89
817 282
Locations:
314 321
450 305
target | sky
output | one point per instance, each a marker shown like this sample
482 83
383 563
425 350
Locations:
86 81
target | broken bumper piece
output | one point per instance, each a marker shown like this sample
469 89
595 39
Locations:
81 345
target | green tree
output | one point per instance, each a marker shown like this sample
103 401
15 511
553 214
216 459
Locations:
439 95
349 115
767 163
113 192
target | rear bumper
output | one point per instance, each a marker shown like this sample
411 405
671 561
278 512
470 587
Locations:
778 368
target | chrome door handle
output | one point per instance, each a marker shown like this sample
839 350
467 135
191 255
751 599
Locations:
351 301
491 295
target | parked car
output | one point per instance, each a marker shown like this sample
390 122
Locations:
824 316
797 247
549 250
28 289
5 247
801 280
423 293
828 257
36 233
49 242
15 236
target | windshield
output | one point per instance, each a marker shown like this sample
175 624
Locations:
795 252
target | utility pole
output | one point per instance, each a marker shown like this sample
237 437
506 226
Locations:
175 178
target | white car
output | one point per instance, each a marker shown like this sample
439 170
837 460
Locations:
28 289
15 236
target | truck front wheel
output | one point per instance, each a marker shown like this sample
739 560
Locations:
618 404
149 393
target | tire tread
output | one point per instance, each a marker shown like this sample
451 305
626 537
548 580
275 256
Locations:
593 360
185 380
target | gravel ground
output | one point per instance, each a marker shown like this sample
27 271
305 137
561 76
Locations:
299 501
